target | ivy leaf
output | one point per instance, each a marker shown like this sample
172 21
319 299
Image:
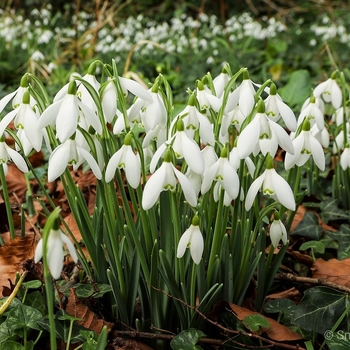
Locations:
319 309
331 212
12 345
284 306
309 227
317 246
23 316
255 322
343 238
187 340
62 327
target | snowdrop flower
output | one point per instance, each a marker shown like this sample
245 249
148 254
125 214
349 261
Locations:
321 136
235 160
194 120
340 141
234 117
222 172
262 134
126 159
275 108
17 95
183 147
206 99
278 231
271 184
24 118
192 238
164 179
7 154
345 158
65 113
151 113
313 114
305 145
339 114
318 102
83 92
109 95
55 256
220 82
243 95
330 91
69 153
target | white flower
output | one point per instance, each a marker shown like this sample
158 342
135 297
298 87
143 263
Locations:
69 153
234 117
164 179
17 96
263 134
7 154
272 184
330 91
275 108
65 114
55 255
278 232
151 113
125 159
206 99
340 141
313 113
220 82
222 172
25 118
243 95
195 120
192 238
83 92
345 159
109 95
305 146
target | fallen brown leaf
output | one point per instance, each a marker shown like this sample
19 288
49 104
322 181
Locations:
333 270
12 256
276 331
75 307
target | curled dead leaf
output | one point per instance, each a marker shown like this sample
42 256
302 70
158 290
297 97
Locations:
333 270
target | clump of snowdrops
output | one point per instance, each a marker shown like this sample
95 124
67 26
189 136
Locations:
191 204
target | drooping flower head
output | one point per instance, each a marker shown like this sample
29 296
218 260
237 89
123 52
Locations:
192 238
271 184
278 231
55 253
164 179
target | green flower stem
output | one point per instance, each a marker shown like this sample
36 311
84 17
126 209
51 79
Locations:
70 331
7 202
217 238
49 290
175 218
